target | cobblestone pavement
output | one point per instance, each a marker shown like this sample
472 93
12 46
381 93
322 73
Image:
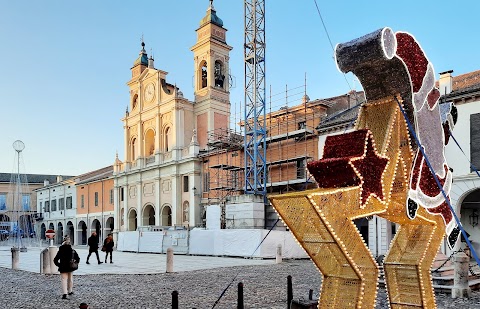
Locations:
264 287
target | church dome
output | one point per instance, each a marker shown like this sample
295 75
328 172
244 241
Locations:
142 57
211 17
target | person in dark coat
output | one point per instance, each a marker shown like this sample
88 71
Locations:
108 245
64 255
93 247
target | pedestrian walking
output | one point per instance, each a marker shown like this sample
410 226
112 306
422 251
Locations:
67 261
93 247
108 245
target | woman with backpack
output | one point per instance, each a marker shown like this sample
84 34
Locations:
67 261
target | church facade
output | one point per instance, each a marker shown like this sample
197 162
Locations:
158 183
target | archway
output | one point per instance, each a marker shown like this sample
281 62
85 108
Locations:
470 213
96 227
4 218
204 75
51 226
82 231
166 216
132 220
219 74
109 226
71 232
59 233
148 217
43 229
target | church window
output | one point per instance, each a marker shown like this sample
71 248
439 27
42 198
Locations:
203 82
219 74
185 183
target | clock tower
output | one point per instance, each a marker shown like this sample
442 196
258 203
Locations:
211 78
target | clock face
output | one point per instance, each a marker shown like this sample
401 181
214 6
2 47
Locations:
149 92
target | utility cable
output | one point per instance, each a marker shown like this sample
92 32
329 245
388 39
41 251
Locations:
238 273
447 200
333 49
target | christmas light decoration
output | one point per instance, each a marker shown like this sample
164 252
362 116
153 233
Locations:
377 170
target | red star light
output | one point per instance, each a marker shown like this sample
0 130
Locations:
370 168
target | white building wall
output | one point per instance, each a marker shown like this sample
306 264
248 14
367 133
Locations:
455 158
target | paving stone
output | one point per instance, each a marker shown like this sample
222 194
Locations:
264 287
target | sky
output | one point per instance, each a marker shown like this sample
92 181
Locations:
64 64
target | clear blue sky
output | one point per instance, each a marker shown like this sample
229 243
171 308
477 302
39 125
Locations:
64 64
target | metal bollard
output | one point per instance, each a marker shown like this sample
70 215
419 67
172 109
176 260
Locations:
278 258
15 257
45 262
174 300
461 288
169 260
289 291
310 294
240 296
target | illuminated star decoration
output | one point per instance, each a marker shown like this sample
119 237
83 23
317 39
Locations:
369 168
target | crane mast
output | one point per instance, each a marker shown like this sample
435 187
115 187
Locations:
255 117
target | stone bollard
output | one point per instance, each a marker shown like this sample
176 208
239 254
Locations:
52 252
461 288
15 257
45 262
278 258
169 260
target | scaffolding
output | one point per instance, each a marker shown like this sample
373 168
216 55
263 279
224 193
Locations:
223 168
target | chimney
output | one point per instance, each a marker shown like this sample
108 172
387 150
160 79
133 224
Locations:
445 83
59 178
46 182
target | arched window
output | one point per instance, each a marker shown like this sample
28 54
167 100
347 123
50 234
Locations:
148 215
219 74
132 220
203 68
166 216
168 139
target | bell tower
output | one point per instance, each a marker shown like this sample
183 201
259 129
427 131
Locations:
211 78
